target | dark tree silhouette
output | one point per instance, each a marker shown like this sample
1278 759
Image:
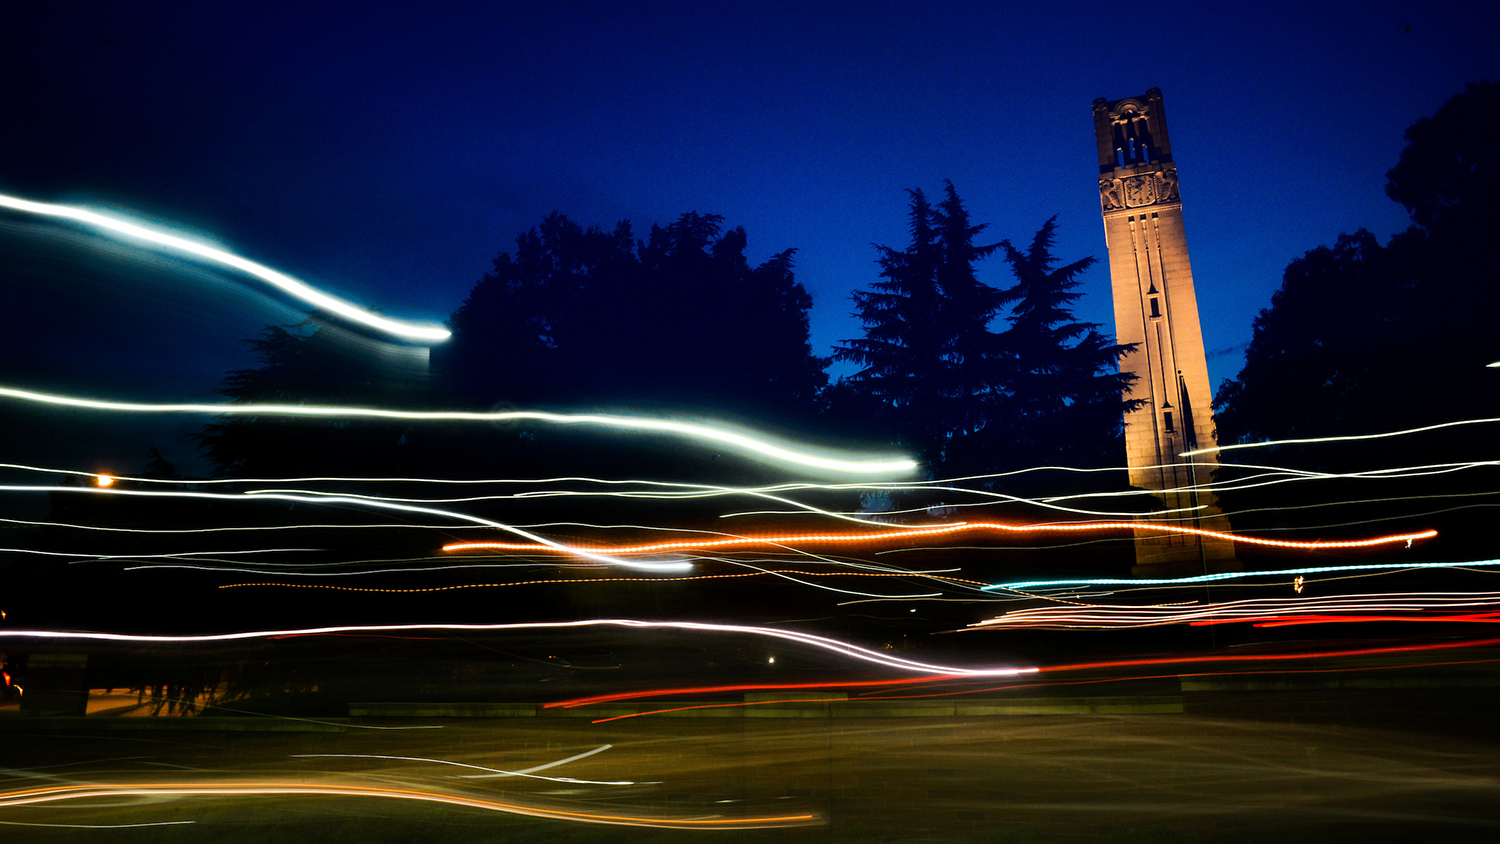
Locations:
1322 354
927 352
1064 401
966 398
314 362
1449 173
580 317
1362 337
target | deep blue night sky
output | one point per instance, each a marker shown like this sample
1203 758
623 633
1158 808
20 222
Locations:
387 154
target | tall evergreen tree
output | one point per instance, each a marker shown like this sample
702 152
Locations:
969 306
968 399
924 352
900 355
1064 386
314 362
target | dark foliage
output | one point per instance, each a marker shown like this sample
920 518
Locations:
927 350
1363 337
315 363
965 397
1063 400
580 317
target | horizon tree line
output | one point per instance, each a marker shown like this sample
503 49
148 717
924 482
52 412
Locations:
583 318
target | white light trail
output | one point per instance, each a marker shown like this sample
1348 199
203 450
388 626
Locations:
690 430
98 825
836 646
603 559
529 773
1345 438
287 284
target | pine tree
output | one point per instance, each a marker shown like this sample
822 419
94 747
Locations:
927 352
1064 387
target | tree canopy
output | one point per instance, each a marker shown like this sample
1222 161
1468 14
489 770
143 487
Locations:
968 398
1064 400
1364 337
681 320
315 362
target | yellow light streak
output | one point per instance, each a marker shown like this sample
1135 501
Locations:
53 794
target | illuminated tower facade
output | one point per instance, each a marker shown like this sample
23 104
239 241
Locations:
1156 309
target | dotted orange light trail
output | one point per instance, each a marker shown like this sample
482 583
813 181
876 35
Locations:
30 797
939 530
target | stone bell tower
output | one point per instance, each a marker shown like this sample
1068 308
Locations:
1156 309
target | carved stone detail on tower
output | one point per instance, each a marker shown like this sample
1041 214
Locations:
1112 194
1139 191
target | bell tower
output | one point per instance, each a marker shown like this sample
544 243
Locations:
1156 309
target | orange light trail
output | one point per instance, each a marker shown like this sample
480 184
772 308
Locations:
940 530
54 794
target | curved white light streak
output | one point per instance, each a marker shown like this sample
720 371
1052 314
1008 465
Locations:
824 586
690 430
846 649
491 772
603 559
98 825
287 284
170 556
239 528
1345 438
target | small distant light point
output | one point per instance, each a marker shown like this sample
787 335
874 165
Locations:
104 480
771 661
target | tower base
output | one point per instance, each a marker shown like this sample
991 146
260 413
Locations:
1171 555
